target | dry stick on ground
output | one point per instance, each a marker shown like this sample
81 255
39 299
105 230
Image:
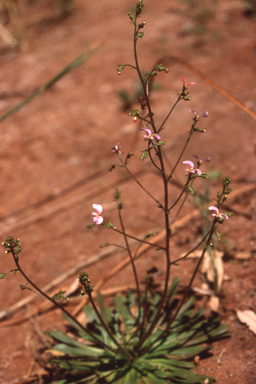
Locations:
179 223
8 38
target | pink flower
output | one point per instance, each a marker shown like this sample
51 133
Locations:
192 167
217 214
116 148
204 114
149 135
185 85
98 219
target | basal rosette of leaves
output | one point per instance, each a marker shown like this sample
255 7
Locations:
81 360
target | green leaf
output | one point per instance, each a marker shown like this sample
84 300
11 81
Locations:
90 313
146 380
68 341
155 379
72 351
106 315
187 353
130 377
111 168
104 245
172 290
144 155
121 306
189 303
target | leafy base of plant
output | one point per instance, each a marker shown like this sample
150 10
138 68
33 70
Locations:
81 360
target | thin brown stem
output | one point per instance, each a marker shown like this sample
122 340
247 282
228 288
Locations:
139 183
133 268
121 349
170 322
167 117
16 260
183 150
165 208
139 240
179 197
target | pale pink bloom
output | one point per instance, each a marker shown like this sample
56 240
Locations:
116 148
149 135
192 167
204 114
217 214
182 79
98 219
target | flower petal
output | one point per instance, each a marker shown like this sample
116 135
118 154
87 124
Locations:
98 208
98 219
116 148
212 208
189 163
223 214
148 131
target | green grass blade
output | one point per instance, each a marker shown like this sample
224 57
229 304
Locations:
70 67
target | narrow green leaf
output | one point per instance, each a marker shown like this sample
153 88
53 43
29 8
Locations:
72 351
146 380
130 377
70 67
155 379
173 289
121 306
187 305
187 353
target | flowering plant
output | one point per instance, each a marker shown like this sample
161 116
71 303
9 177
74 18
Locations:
147 336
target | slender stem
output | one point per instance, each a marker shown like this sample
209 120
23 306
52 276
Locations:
179 210
121 349
145 304
167 117
192 250
138 182
133 267
166 215
181 206
137 250
15 257
151 158
160 307
211 231
141 78
170 322
116 245
140 240
184 189
183 150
